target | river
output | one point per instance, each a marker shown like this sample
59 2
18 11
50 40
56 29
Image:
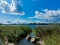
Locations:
24 41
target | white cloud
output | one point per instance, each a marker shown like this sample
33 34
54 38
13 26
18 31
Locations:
16 21
45 10
5 21
15 7
48 15
19 21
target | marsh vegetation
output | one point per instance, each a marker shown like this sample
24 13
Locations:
50 34
13 34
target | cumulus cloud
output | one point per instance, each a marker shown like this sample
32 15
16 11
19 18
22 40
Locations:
15 7
48 15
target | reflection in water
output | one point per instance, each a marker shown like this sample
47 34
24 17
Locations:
25 42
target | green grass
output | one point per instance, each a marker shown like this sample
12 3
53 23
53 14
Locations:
52 40
49 34
14 32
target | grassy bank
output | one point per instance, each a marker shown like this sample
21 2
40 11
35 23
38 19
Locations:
14 33
49 34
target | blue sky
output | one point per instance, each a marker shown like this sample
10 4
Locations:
26 11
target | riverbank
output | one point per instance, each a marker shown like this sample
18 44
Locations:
13 34
49 34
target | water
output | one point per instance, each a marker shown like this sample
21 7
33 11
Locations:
24 41
31 26
0 42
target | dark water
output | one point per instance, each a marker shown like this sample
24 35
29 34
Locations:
25 42
0 42
22 42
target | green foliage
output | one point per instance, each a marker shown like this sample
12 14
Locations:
14 32
49 33
47 30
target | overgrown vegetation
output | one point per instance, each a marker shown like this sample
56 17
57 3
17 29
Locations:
50 34
14 33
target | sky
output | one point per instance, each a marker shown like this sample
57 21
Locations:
29 11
